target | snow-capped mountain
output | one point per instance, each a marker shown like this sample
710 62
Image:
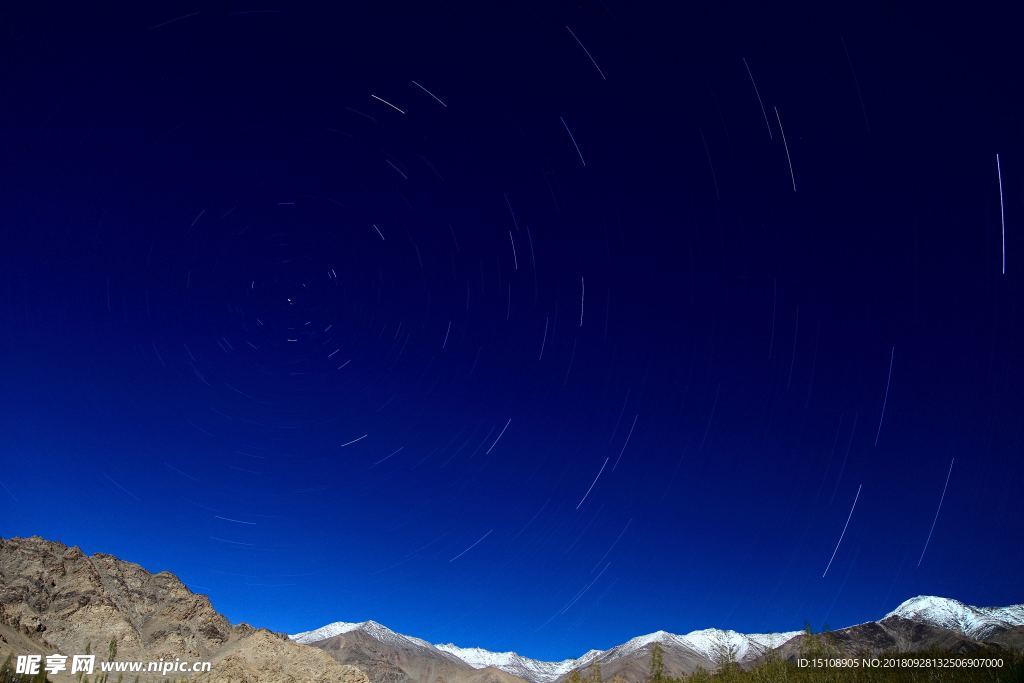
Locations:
682 654
370 628
517 665
710 643
707 644
976 623
704 646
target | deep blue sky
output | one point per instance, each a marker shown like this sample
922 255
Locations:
188 187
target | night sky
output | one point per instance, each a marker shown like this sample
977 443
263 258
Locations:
530 328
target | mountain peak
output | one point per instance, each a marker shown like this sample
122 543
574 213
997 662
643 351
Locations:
711 642
371 628
324 632
928 603
968 620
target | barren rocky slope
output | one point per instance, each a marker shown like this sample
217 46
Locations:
57 599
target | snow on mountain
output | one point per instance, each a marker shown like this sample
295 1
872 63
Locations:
517 665
324 632
713 642
371 628
664 638
710 643
973 622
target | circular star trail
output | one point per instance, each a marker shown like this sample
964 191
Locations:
527 328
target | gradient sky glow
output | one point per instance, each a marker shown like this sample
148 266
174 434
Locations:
224 257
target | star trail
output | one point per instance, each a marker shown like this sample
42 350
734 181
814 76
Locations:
507 325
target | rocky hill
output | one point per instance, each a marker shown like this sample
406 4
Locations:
57 599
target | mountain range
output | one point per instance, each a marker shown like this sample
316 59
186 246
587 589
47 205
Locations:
920 623
57 599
